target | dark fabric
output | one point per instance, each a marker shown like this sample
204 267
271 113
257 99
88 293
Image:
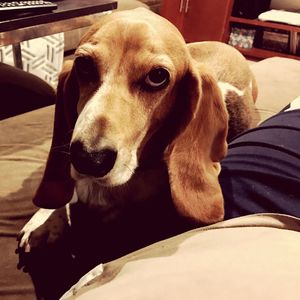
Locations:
261 172
21 92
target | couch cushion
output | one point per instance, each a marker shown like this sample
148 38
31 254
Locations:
252 257
278 84
24 145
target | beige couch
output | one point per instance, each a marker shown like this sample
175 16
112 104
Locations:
246 258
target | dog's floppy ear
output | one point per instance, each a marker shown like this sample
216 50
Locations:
56 188
193 156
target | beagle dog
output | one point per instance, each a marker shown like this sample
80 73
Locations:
141 124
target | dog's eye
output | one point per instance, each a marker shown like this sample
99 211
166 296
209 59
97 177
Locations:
86 68
157 78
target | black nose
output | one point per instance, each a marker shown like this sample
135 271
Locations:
96 164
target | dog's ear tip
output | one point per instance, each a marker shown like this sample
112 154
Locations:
53 194
216 212
201 212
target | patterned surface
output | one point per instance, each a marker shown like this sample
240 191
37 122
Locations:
42 57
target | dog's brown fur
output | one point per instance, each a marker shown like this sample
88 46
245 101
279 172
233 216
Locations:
169 140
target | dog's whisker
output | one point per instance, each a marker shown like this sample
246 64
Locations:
61 146
266 110
65 152
61 149
130 169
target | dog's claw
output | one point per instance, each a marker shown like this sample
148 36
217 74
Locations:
19 236
24 241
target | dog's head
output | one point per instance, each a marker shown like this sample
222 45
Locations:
133 83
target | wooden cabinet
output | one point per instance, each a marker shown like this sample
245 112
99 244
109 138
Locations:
211 20
202 20
199 20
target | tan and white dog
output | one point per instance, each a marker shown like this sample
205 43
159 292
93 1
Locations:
141 125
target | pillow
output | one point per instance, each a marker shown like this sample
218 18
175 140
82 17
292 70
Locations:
42 57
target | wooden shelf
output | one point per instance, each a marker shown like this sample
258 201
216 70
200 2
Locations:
265 24
262 53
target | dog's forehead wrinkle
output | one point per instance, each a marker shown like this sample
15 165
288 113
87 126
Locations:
86 48
123 27
129 34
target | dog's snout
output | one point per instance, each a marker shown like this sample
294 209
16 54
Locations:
96 163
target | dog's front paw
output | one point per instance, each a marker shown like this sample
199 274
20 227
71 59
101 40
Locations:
35 231
46 228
